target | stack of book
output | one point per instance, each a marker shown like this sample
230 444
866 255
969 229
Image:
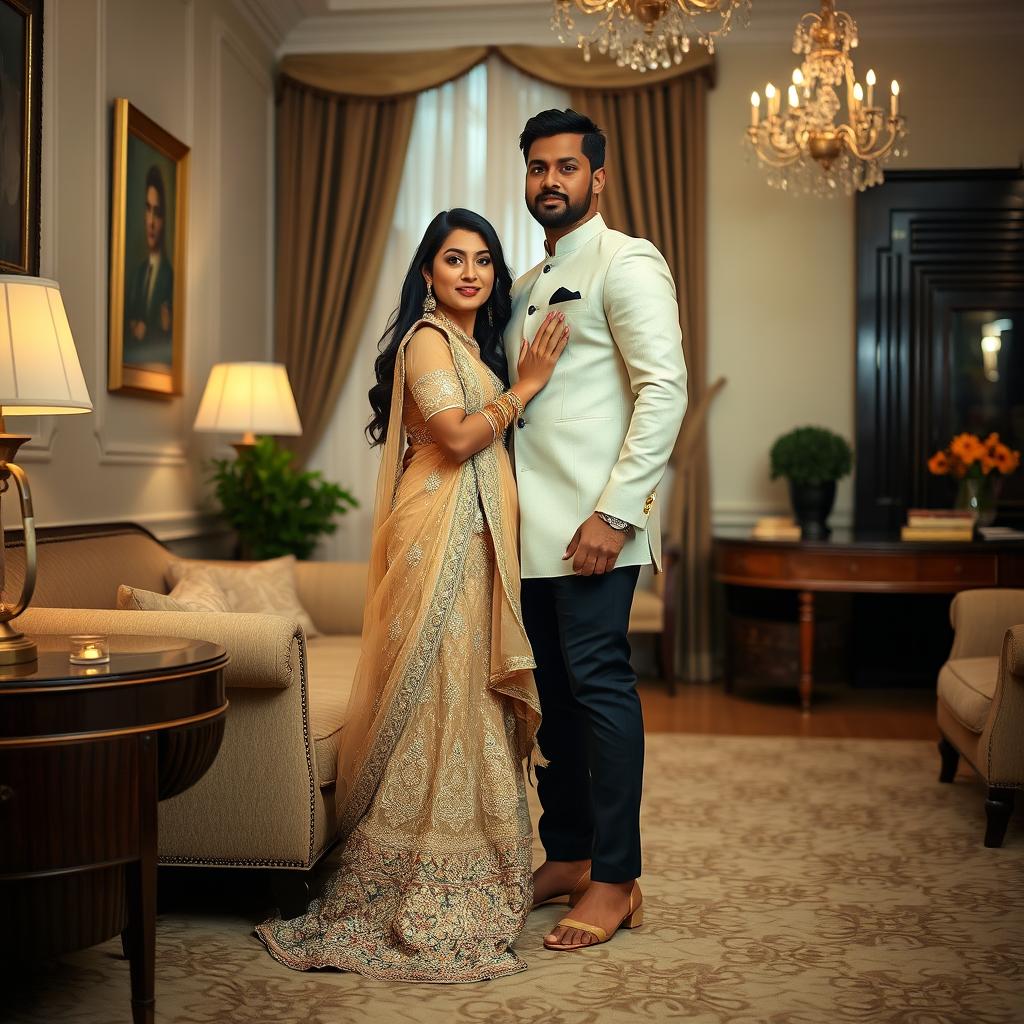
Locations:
776 528
938 524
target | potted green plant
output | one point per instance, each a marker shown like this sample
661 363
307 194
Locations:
812 459
275 508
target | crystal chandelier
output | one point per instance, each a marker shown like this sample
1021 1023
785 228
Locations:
645 34
804 149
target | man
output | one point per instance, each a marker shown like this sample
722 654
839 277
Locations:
590 453
151 289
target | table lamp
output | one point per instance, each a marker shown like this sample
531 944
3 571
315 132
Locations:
39 376
248 398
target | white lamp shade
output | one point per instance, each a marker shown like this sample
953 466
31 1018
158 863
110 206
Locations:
39 370
248 397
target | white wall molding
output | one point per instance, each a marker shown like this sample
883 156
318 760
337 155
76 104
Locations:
115 451
166 526
746 513
397 25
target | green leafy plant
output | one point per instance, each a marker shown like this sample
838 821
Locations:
275 508
811 455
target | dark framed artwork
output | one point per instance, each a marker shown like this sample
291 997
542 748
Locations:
148 227
21 131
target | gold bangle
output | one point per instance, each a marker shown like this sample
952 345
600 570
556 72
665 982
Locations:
502 414
516 401
490 420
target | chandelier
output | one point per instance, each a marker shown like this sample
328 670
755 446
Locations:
645 34
804 149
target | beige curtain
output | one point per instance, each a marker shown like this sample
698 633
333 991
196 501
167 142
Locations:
657 167
337 180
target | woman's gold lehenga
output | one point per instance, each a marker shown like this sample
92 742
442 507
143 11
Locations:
433 878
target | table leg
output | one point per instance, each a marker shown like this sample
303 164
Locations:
806 648
141 932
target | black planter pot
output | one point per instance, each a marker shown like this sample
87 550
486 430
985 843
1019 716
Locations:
812 505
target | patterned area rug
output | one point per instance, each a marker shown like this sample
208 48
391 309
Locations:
787 881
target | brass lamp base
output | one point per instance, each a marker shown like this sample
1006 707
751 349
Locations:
15 647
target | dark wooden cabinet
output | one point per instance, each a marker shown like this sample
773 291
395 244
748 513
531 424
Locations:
940 266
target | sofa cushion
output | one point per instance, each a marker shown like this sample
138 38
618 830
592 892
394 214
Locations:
967 686
332 668
267 587
197 592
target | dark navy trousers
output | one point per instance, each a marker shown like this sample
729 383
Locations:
593 729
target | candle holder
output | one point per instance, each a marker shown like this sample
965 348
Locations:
89 649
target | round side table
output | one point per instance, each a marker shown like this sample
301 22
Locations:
86 751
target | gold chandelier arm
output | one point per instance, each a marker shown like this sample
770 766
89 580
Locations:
29 525
871 149
769 152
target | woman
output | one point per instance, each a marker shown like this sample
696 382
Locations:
434 875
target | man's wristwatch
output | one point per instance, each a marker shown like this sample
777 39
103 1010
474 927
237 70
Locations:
616 524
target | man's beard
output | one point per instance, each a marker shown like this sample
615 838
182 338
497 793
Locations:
560 217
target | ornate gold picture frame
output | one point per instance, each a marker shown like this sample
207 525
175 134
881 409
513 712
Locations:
21 86
148 245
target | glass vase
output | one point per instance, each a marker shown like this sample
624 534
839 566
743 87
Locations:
980 496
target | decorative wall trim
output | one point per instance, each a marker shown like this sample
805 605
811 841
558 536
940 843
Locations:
746 513
165 526
113 451
225 37
395 25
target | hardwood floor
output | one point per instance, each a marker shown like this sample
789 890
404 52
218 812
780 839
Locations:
838 711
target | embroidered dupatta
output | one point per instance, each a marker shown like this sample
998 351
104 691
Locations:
423 519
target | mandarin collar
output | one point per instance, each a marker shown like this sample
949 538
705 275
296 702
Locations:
577 237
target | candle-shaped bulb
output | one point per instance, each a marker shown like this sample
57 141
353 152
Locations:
773 99
871 86
871 76
894 102
858 92
755 105
794 100
798 76
769 91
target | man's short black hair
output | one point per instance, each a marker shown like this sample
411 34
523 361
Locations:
561 122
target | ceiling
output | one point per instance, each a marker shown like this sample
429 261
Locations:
291 26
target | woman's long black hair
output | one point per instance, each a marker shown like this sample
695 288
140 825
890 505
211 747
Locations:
410 309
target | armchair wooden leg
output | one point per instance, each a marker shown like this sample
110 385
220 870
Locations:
950 760
998 808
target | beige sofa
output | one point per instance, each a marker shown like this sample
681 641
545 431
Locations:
981 699
268 799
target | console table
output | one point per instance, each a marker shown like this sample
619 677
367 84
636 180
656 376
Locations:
860 563
86 751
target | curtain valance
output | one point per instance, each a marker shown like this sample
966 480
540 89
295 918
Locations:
387 75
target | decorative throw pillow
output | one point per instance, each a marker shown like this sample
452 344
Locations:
267 587
197 592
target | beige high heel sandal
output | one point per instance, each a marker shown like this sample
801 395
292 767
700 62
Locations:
573 897
633 919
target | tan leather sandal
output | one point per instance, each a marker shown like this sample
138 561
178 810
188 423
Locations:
633 919
571 898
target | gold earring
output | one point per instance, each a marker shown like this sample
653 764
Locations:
429 303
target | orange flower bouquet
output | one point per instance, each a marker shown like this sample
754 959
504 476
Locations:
979 466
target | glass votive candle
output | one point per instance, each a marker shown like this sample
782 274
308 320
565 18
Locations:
89 649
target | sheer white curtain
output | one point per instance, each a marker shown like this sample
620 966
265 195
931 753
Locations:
463 152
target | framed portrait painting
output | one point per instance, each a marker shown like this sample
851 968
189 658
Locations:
148 218
21 85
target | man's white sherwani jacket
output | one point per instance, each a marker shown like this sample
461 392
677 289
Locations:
599 436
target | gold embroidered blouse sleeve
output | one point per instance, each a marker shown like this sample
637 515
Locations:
433 382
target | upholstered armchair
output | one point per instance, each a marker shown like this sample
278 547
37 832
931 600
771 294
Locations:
654 611
981 699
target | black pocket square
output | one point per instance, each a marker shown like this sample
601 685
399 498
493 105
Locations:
563 295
